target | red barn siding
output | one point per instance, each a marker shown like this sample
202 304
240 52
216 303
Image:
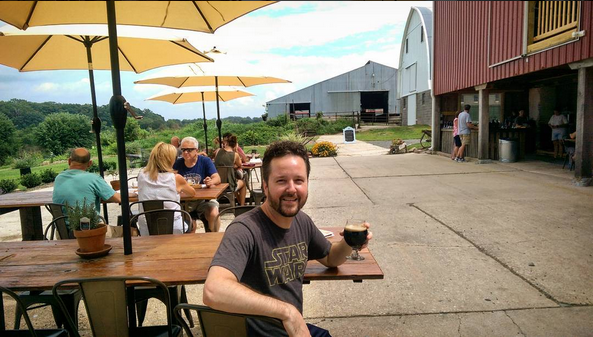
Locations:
462 51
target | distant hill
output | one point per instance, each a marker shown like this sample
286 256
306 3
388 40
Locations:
24 114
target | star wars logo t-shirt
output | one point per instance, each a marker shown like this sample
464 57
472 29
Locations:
269 259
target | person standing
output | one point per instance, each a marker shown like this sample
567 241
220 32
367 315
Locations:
558 123
76 185
465 126
456 138
260 264
192 163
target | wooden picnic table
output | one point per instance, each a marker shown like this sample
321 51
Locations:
172 259
29 206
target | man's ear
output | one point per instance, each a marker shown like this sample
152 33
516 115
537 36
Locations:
69 161
264 187
89 163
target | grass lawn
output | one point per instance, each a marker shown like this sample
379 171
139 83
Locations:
401 132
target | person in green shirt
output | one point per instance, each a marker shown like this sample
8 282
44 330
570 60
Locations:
75 184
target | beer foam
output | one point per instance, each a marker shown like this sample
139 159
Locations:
355 228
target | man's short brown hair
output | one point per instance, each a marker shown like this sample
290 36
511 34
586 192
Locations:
281 149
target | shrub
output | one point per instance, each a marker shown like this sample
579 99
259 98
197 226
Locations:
293 137
31 180
48 176
26 160
324 149
7 186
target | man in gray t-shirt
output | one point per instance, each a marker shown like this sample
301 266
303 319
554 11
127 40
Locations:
260 264
464 126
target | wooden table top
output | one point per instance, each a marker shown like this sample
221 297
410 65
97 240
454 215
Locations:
172 259
40 198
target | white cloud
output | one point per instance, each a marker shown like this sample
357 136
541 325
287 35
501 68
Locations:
47 87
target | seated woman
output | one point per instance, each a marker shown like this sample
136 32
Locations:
227 157
158 182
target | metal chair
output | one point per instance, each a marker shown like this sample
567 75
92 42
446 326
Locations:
160 222
237 210
256 195
44 298
568 159
31 330
225 176
216 323
106 299
58 222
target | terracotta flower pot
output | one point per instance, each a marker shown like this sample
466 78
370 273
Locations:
91 240
115 184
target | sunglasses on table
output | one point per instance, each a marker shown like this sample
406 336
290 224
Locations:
189 149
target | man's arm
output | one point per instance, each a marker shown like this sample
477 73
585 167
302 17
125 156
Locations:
339 251
212 180
222 291
116 197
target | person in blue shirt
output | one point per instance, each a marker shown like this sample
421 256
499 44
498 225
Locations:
193 163
75 184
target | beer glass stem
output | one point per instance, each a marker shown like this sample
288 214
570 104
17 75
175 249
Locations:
355 256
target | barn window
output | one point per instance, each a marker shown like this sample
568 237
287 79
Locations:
551 23
421 34
406 45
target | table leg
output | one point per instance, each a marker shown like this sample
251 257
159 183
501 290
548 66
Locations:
31 223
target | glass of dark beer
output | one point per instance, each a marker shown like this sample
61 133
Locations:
355 234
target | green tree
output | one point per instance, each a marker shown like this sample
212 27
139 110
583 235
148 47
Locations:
7 147
132 130
62 131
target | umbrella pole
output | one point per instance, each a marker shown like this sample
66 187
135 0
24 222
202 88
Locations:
96 120
205 125
119 115
218 121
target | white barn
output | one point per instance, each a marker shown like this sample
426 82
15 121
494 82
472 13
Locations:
414 78
370 90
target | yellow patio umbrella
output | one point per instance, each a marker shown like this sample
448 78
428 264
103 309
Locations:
202 16
199 16
50 48
213 80
200 96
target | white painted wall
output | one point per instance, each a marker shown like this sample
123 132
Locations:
417 53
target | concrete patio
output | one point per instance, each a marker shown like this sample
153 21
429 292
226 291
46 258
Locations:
467 249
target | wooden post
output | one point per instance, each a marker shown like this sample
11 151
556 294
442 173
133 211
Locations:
436 123
584 121
484 120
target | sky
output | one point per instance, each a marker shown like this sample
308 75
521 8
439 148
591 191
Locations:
305 42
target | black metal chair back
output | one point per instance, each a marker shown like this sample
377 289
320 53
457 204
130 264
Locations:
106 302
216 323
58 222
32 331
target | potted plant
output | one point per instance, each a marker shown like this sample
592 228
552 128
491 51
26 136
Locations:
115 184
89 230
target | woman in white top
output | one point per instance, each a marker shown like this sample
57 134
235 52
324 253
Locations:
158 182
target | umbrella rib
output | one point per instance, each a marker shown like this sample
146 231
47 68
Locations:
184 47
30 15
240 80
74 38
203 17
35 53
177 99
182 83
127 60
